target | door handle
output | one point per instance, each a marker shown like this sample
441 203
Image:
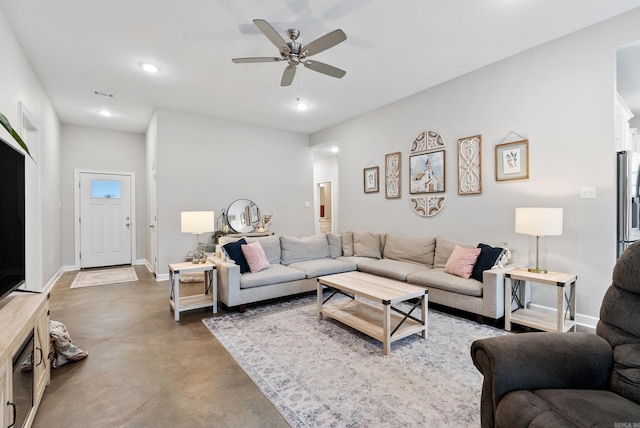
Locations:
127 224
152 226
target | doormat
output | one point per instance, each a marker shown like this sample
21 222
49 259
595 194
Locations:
104 276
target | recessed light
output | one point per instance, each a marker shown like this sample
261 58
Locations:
301 106
149 68
105 113
334 150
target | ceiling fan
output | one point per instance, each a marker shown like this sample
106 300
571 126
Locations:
296 53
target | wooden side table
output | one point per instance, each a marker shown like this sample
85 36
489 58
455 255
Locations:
180 304
564 318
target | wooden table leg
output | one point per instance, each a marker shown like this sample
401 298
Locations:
386 328
319 300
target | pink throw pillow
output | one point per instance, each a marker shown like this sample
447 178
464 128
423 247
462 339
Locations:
461 261
255 256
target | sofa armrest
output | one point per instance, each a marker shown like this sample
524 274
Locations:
228 281
493 290
529 361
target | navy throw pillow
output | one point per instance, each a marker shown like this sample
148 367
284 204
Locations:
486 260
234 250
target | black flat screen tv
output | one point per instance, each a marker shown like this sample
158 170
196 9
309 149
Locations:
12 219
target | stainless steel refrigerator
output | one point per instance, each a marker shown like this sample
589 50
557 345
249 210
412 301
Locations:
628 197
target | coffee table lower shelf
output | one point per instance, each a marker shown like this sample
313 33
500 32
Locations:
369 319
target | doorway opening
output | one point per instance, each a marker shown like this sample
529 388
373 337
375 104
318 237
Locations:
325 206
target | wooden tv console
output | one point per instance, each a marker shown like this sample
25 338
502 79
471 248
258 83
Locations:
22 314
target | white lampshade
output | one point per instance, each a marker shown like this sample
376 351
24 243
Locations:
539 221
197 222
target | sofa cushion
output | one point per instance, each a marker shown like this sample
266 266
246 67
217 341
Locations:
298 249
488 258
394 269
590 407
270 245
438 278
444 248
367 244
234 250
625 379
347 244
354 259
255 256
416 250
335 244
328 266
461 261
564 408
274 274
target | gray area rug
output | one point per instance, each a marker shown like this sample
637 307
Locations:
324 374
89 278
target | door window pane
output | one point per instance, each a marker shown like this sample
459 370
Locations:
105 189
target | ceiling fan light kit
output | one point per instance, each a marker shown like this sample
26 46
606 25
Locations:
296 53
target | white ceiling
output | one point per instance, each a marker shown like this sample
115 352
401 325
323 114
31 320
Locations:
393 49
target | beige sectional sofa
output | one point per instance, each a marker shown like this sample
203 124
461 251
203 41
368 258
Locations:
296 262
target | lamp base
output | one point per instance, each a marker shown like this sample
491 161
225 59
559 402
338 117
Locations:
535 270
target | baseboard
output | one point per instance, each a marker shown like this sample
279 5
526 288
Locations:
52 281
585 321
162 277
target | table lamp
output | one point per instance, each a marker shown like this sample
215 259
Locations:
197 222
538 223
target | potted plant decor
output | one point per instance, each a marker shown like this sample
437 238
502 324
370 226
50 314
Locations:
6 125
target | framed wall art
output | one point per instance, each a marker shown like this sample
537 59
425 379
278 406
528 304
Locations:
392 175
470 165
427 141
512 161
371 179
427 172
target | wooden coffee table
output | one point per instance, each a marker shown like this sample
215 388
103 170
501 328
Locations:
377 317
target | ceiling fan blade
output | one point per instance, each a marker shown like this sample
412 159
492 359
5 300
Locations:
256 59
288 75
323 68
272 35
325 42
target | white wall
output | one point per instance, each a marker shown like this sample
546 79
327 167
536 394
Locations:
102 150
20 84
560 96
205 163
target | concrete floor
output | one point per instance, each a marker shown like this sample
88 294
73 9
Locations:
144 369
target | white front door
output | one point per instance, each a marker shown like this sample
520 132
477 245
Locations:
105 219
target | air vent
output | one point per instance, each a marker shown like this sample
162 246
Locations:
103 94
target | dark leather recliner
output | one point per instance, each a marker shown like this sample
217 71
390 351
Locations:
569 379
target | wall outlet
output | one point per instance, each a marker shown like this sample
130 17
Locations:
307 204
587 193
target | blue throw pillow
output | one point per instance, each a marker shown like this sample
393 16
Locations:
486 260
234 250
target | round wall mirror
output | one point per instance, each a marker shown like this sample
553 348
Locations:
243 216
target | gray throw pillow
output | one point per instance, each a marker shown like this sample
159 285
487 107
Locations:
335 244
367 244
296 249
347 244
